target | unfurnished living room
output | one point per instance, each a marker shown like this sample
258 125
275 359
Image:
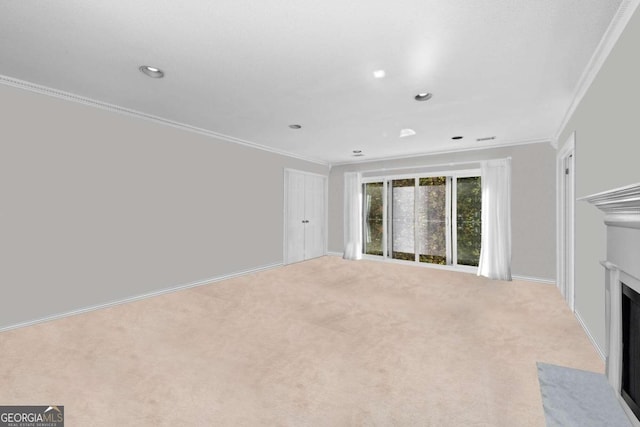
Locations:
420 213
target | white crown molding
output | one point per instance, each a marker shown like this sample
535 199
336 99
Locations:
447 151
33 87
609 39
621 206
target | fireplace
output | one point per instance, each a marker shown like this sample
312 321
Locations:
622 294
630 380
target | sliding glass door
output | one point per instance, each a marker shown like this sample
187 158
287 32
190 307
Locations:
424 219
468 220
374 219
432 208
402 235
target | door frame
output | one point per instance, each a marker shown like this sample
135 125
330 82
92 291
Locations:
286 171
565 263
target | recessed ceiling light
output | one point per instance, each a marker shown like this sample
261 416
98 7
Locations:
379 74
357 151
407 132
424 96
456 137
153 72
295 126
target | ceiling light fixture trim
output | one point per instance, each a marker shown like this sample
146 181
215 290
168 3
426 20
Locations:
423 96
407 132
153 72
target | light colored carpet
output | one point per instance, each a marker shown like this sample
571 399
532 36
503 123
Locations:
322 343
577 398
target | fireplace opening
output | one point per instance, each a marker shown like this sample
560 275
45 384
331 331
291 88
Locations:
631 348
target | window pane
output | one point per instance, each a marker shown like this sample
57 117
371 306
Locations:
469 216
432 220
373 219
402 205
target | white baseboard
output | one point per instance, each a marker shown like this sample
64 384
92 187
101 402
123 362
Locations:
593 341
534 279
140 297
514 277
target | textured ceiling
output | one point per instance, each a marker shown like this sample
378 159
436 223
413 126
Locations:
248 69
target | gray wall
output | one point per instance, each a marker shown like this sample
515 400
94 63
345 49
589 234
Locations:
606 123
533 201
98 206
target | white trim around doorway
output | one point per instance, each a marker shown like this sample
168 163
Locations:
566 237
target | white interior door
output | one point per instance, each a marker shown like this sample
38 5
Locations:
305 216
314 216
294 211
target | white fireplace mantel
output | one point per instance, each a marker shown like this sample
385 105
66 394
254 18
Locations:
621 206
622 217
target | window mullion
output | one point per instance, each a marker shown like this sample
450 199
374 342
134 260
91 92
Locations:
453 232
385 227
389 218
415 221
450 219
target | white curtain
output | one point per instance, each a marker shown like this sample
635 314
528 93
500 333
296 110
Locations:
495 252
352 216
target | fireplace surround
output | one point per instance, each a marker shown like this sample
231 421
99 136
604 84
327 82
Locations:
631 348
622 218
